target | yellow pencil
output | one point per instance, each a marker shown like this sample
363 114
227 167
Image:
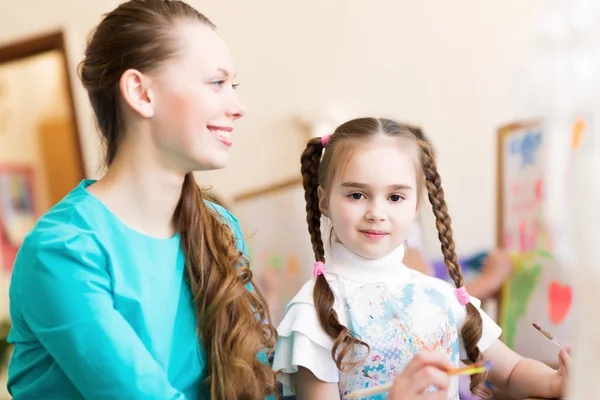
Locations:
471 369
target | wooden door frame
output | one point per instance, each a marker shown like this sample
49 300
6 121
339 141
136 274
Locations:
39 44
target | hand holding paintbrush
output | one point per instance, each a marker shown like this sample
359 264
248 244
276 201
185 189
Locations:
564 359
471 369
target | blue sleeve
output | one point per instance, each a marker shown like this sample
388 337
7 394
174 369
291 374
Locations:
63 289
239 236
233 223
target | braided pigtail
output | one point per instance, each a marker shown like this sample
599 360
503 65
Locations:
472 328
323 296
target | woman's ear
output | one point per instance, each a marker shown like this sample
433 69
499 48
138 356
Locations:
323 203
136 93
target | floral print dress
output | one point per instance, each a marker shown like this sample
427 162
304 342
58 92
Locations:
396 326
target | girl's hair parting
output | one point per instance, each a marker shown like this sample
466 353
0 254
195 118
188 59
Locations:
233 322
319 169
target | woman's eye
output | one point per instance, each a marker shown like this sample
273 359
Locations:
396 198
356 196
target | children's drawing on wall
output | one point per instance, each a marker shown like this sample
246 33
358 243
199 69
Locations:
539 290
17 211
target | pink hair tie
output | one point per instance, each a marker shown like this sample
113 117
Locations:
463 296
319 269
325 139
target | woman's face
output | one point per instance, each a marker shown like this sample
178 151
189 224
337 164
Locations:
195 103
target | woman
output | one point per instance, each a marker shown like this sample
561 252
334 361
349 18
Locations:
135 286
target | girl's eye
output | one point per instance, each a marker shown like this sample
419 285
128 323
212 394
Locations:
356 196
396 197
221 83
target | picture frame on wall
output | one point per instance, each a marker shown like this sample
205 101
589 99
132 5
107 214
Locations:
540 288
17 210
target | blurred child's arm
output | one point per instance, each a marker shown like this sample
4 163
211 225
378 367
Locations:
496 270
308 387
523 377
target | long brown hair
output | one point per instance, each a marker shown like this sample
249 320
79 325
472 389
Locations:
319 169
233 322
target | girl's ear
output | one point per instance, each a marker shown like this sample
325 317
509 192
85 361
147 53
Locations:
323 202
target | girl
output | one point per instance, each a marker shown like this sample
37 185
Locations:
134 286
366 315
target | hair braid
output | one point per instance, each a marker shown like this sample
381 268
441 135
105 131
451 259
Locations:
323 296
472 328
310 160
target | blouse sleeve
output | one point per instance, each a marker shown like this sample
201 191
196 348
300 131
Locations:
490 332
302 342
61 292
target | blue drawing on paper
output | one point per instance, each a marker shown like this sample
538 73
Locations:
526 146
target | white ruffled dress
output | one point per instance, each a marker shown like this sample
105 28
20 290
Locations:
396 310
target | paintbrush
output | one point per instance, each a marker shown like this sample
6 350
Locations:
551 337
471 369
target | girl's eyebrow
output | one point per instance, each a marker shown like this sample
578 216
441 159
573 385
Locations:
365 186
226 73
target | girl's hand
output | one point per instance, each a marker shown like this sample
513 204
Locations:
559 383
427 368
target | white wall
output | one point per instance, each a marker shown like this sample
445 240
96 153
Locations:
449 66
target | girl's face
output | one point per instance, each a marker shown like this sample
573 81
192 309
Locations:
372 202
195 103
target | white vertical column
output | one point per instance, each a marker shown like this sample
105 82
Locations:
566 88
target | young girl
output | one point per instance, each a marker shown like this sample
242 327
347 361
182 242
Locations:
134 286
366 315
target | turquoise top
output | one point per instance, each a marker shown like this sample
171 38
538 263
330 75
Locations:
100 311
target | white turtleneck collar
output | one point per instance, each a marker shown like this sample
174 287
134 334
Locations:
349 265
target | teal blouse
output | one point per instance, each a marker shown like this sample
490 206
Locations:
100 311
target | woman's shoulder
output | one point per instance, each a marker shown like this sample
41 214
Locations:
230 220
75 230
77 215
63 238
